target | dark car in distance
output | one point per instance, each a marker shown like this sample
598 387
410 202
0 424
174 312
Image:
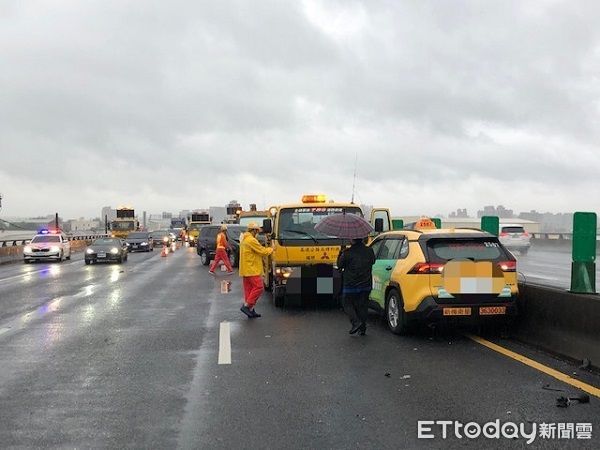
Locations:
139 241
207 243
162 237
106 250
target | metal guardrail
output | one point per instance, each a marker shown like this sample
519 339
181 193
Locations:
553 236
78 237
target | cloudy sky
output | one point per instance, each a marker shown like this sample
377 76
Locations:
185 104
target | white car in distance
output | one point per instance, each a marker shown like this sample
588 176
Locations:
514 237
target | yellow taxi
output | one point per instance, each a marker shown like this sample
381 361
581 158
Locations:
426 274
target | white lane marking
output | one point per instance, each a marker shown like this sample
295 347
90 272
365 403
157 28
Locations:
225 343
4 330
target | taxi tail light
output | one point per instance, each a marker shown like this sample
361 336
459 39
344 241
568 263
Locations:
425 268
508 266
525 234
503 234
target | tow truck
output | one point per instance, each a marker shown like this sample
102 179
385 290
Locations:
302 265
197 220
179 228
245 217
124 223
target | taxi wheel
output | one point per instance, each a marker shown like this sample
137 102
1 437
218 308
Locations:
394 313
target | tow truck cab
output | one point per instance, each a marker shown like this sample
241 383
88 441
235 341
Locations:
302 265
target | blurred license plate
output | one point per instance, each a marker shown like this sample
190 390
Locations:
492 310
457 311
101 255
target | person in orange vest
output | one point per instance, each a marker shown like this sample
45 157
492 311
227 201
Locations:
252 269
221 253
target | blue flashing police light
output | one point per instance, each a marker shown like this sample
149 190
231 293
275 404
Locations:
44 231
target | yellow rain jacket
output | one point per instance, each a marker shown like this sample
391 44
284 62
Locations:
251 256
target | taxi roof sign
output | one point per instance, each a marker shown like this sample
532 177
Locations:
314 198
425 223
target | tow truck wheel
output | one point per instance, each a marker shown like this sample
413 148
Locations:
269 285
87 262
394 313
279 300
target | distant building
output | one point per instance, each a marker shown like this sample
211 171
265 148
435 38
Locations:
550 222
217 213
167 215
82 224
471 222
184 213
462 213
499 211
107 211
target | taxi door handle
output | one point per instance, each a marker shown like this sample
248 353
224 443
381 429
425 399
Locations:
389 268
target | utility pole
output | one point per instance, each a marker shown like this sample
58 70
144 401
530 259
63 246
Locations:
0 202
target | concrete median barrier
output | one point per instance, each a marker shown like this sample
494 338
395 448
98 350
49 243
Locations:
560 322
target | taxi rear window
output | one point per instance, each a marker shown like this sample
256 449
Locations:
486 249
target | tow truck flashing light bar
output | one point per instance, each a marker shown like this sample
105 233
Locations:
314 198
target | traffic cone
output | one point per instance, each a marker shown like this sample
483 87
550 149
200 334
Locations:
165 251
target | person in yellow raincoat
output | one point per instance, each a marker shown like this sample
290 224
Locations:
251 268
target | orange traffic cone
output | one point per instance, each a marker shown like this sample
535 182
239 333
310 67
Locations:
165 251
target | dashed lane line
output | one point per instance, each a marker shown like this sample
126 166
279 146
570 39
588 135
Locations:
225 343
592 390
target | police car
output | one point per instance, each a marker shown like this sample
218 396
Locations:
47 245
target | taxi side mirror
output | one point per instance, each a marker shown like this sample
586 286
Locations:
379 225
267 226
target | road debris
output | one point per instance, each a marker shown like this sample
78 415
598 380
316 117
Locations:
585 364
548 388
564 402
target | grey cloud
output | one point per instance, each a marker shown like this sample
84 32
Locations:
185 104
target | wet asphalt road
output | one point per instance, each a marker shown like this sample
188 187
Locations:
549 267
125 356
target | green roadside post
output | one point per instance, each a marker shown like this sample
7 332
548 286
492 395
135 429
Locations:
491 224
397 224
583 267
437 221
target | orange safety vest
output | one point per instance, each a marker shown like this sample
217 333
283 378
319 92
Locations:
221 240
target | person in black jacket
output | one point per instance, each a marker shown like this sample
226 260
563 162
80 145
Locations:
356 265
